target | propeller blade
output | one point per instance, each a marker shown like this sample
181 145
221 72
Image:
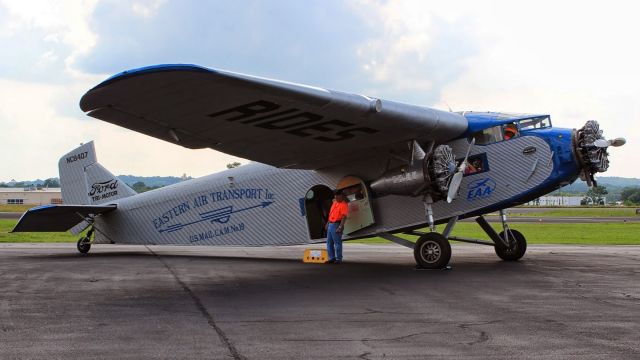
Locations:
601 143
618 142
464 162
456 180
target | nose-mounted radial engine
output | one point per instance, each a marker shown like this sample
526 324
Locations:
591 150
428 173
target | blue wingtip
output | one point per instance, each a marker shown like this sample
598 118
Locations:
41 207
152 69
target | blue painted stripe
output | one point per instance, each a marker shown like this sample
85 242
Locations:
302 209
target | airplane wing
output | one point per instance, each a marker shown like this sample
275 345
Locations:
274 122
57 218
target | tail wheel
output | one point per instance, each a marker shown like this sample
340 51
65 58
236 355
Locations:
84 245
432 251
517 249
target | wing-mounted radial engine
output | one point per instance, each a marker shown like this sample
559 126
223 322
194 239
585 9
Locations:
591 150
427 173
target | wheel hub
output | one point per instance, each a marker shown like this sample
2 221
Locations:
431 252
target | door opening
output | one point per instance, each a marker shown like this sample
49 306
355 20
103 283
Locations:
317 203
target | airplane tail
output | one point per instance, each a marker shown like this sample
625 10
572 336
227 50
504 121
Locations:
85 182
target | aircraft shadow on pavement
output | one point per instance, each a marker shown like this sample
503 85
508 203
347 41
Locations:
481 262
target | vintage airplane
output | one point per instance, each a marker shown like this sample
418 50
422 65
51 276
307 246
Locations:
403 167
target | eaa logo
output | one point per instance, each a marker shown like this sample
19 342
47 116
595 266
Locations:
480 189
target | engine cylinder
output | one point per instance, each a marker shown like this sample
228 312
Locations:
591 158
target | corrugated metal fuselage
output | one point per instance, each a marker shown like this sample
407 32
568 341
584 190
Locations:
260 205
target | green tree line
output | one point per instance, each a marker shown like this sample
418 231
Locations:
630 196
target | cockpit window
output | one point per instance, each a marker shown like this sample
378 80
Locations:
488 136
540 122
497 133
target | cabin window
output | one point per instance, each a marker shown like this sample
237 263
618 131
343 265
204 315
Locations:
476 164
540 122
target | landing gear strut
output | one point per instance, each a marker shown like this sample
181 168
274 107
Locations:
84 243
432 250
510 245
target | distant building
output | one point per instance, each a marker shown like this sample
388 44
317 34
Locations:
30 196
556 201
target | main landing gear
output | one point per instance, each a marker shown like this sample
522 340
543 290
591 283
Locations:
84 243
432 250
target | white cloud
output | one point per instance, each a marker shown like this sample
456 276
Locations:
35 135
574 60
398 52
146 8
62 22
35 130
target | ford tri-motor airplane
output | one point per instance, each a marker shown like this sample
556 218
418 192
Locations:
402 167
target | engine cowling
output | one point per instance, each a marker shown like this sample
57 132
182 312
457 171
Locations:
427 174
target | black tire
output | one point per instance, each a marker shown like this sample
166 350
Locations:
83 245
519 246
432 251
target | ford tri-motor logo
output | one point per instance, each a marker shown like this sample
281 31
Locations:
480 189
104 190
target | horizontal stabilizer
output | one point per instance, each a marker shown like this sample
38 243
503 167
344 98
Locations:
57 218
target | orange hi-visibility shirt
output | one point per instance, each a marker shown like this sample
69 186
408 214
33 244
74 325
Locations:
338 211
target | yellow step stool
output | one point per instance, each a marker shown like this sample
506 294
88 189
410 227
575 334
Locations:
315 256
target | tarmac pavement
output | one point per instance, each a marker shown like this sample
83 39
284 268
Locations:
129 302
10 215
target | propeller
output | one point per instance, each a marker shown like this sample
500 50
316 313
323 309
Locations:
591 150
456 180
603 143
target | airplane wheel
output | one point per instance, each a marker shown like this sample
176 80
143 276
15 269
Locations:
432 251
518 250
83 245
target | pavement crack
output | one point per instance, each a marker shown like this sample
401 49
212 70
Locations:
203 310
483 336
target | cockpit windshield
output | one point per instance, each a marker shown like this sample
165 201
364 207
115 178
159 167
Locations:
539 122
504 126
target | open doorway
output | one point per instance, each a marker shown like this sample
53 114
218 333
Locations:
317 203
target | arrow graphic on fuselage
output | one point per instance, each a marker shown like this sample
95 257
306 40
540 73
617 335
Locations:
221 216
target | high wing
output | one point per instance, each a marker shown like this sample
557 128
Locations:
274 122
53 218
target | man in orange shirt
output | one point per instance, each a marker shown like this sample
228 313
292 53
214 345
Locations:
337 217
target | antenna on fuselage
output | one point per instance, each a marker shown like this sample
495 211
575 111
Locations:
449 107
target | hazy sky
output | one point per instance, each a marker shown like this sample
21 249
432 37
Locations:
577 60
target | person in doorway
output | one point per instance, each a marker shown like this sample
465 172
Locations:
335 226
